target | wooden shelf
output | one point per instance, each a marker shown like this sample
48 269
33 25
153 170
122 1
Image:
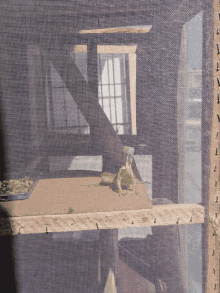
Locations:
172 214
70 204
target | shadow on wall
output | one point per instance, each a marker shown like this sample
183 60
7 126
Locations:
3 161
157 258
7 264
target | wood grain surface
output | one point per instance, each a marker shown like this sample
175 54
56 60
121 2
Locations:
212 279
76 195
171 214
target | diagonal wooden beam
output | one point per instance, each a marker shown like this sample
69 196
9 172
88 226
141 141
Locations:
185 11
107 141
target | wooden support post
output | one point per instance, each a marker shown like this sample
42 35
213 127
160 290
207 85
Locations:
14 101
109 257
92 73
108 243
165 43
211 89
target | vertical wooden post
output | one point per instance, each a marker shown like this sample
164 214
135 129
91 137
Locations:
109 257
108 246
14 103
92 67
92 74
207 104
165 41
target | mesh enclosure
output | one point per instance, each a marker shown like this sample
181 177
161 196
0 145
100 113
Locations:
78 81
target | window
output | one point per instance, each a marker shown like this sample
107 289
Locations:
117 83
116 90
67 115
113 90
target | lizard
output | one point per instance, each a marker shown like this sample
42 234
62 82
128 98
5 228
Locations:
124 177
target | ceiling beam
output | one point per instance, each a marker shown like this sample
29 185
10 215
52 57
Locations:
92 7
65 18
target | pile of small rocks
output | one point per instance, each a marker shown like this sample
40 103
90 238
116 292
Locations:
15 186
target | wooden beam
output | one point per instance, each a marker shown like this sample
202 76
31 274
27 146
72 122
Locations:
107 141
212 200
117 14
114 49
99 8
87 101
184 11
164 47
160 215
103 49
89 8
114 30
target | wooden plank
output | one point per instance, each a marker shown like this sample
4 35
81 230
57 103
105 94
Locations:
116 49
114 30
76 195
172 214
212 223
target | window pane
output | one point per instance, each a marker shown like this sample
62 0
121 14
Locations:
110 71
125 104
116 87
105 91
123 68
99 91
118 90
113 112
120 129
100 102
106 107
112 91
119 110
66 112
105 78
117 70
189 99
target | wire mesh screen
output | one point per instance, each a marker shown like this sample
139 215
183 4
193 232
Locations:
78 81
88 261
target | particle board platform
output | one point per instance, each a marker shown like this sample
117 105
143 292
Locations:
69 204
74 195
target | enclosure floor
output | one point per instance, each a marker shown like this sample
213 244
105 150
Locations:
69 195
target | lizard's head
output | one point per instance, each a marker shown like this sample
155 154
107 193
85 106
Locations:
129 151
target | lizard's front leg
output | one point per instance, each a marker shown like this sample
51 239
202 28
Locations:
118 181
134 185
